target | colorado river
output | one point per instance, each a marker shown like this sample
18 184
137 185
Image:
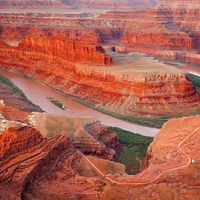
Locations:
184 66
38 93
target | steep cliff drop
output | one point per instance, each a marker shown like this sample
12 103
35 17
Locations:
128 84
34 166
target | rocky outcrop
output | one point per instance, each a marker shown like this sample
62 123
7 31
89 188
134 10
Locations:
86 134
164 154
59 50
34 166
18 139
159 40
119 88
178 129
23 152
29 159
172 27
17 33
174 11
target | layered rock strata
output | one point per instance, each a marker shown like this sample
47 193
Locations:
128 87
23 152
27 158
173 28
86 134
53 168
169 30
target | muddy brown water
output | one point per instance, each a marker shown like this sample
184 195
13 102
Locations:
38 93
184 66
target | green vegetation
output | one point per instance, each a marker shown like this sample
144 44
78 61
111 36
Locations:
57 103
195 80
136 146
178 60
171 64
30 78
15 89
153 121
11 86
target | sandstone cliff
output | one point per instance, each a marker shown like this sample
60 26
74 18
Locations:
119 88
173 29
170 27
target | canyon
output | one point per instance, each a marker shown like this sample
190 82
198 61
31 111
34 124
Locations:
114 82
169 30
78 4
103 58
33 162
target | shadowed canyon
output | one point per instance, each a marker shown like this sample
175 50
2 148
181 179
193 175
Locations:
121 58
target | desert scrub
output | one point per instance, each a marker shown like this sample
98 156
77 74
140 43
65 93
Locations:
136 146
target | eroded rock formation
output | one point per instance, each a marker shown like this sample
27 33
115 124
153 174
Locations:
170 29
171 26
52 167
86 134
28 158
121 88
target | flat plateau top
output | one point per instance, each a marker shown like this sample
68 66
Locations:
138 64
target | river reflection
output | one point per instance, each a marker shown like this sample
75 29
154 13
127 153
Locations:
38 94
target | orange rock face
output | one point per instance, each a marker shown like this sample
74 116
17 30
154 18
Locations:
61 64
23 152
52 167
70 50
27 158
170 28
18 139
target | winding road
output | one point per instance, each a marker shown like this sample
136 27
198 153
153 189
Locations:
147 182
